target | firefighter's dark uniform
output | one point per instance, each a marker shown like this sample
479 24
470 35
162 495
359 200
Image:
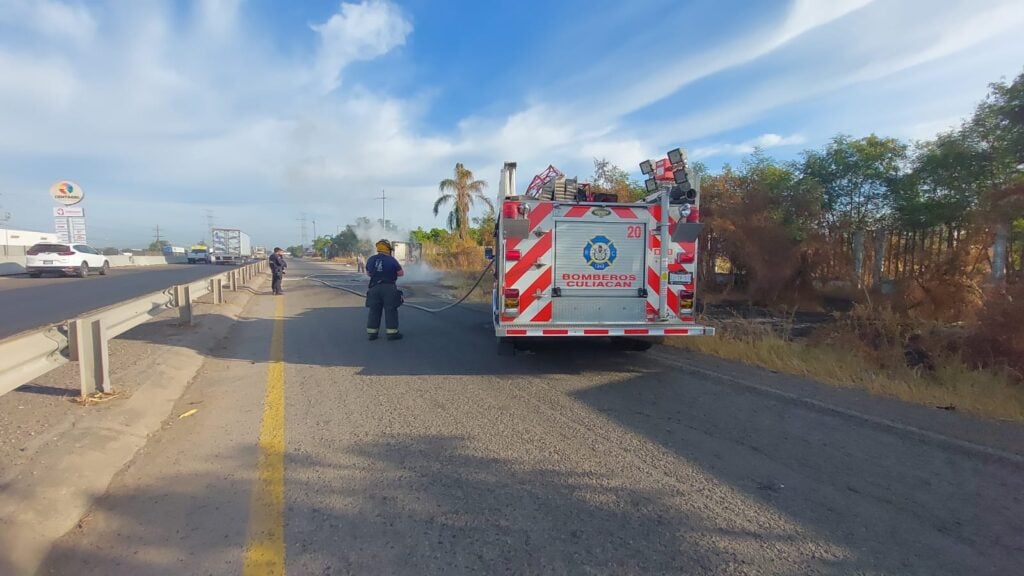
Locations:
383 296
277 266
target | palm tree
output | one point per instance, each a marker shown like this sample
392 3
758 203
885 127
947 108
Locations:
462 191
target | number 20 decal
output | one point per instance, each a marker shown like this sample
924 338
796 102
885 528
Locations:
634 231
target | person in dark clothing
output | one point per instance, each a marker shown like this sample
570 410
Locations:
277 266
383 296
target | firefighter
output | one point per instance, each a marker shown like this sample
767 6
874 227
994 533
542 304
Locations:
360 263
383 295
277 266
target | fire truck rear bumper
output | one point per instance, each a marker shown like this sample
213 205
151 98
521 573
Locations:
599 331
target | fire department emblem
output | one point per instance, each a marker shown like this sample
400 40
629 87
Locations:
600 252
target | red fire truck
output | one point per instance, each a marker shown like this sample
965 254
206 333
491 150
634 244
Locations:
569 262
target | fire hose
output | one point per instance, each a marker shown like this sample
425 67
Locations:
416 306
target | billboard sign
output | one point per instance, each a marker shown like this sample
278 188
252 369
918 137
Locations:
67 211
67 193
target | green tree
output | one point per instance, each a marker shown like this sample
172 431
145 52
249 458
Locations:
610 179
461 191
946 184
158 245
295 251
347 241
321 244
997 129
860 178
483 228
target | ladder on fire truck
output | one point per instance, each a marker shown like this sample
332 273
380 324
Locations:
538 182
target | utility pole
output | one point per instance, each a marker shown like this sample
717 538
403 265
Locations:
157 229
383 209
314 231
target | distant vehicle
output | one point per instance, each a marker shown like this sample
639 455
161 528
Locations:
230 246
76 259
407 253
173 250
199 254
260 252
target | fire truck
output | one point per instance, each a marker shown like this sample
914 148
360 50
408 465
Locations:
570 262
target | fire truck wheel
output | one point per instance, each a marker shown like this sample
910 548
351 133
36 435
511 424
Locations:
506 347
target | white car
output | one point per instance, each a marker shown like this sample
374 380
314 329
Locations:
77 259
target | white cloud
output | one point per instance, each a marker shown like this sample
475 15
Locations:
648 84
194 112
358 32
763 142
55 20
879 56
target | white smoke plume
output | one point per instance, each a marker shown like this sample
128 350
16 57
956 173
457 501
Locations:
417 272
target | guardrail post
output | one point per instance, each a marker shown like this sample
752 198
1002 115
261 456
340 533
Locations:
183 300
217 288
233 280
93 356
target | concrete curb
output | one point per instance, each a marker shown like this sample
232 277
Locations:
55 491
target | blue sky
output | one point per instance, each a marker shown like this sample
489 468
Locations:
262 111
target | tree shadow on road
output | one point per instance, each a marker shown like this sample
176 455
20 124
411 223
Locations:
905 506
423 504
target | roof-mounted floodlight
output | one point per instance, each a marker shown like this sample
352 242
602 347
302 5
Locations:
677 157
646 167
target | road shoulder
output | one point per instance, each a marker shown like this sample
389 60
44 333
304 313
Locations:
69 461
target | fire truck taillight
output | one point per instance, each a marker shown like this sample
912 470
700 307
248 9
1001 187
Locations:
511 301
684 257
685 301
510 210
513 255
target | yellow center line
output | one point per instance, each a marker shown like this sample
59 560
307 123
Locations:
264 554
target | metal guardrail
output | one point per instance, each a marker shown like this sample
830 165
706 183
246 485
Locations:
27 356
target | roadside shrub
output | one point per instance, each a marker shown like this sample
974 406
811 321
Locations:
997 337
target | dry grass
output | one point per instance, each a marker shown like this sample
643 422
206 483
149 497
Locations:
989 393
457 282
461 257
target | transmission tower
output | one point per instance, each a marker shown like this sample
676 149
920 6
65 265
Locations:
210 223
302 228
157 234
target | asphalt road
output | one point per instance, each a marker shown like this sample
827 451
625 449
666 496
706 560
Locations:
432 455
27 303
